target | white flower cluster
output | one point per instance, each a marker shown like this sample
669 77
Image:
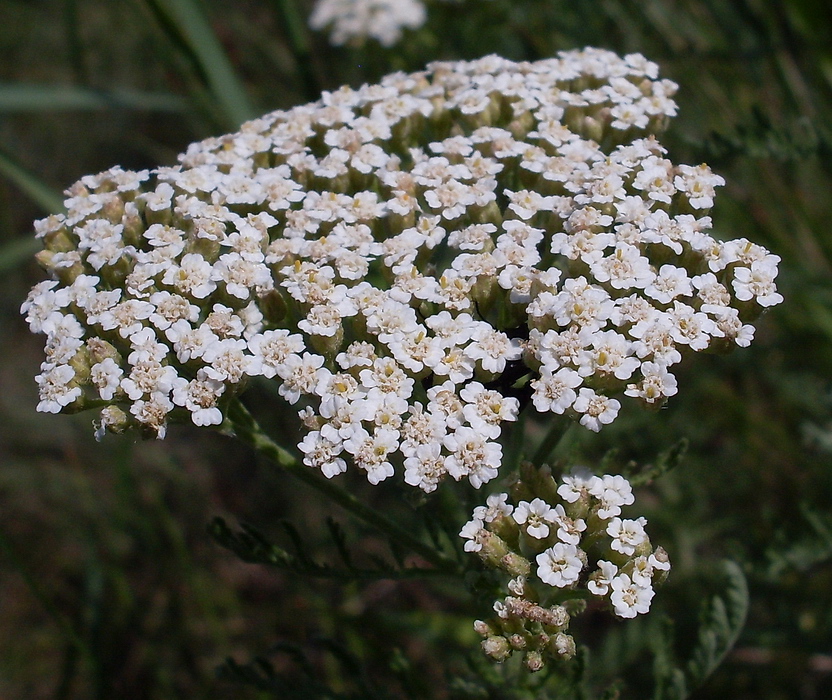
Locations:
357 20
412 262
563 537
556 548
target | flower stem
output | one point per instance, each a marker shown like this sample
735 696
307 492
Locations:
552 439
249 431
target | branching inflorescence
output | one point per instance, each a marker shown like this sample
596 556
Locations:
544 545
414 263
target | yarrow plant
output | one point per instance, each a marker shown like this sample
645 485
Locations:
545 543
413 263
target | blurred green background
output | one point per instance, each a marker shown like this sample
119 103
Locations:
110 586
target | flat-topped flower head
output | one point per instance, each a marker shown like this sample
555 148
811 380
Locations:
413 263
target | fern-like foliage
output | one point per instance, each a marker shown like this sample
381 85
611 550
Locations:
303 682
664 462
510 680
252 546
802 553
759 137
721 621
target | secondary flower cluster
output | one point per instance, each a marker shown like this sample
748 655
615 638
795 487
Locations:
357 20
561 544
412 262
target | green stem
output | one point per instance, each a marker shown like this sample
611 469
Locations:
556 433
247 429
410 572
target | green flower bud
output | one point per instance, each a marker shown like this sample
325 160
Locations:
564 645
533 661
497 648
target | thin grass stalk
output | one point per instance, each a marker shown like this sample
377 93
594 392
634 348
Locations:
296 33
187 25
67 630
30 184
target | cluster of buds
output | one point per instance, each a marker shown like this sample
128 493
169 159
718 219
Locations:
562 547
412 262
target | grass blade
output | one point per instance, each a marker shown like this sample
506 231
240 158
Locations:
14 252
188 26
31 185
296 32
27 97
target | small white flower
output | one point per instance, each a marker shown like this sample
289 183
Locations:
599 582
536 516
56 388
492 349
106 376
199 396
425 468
152 413
471 531
629 599
757 282
555 391
597 409
627 535
192 277
559 565
578 483
472 456
497 506
323 454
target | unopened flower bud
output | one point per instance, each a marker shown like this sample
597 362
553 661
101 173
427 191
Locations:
497 648
112 420
533 661
574 606
81 363
493 549
207 248
559 616
58 241
661 566
593 128
564 645
113 210
517 641
133 225
515 564
100 350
